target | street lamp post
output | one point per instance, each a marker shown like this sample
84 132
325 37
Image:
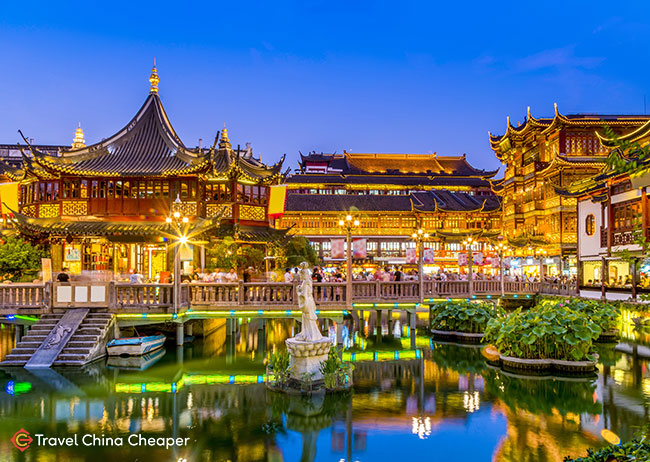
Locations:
419 237
348 224
470 259
177 220
501 247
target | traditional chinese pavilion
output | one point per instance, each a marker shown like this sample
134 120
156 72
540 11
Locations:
104 206
393 195
540 155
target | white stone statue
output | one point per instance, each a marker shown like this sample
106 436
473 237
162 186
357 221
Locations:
309 348
310 331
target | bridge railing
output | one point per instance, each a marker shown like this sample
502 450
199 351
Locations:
486 287
25 295
270 293
402 290
213 294
443 289
145 297
331 293
141 296
556 288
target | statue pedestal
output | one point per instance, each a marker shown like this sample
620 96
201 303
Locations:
306 358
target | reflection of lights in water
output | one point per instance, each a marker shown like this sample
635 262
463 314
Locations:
332 334
182 459
421 427
645 385
347 340
190 400
619 376
471 401
397 329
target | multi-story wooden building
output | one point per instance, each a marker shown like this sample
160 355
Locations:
613 216
392 195
540 155
104 206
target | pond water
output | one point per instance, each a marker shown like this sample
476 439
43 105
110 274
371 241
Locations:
438 402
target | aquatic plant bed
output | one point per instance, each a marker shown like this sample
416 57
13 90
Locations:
296 387
609 336
543 366
460 337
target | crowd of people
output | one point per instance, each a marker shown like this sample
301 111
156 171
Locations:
335 274
622 282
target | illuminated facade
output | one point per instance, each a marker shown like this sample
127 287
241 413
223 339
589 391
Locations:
540 155
613 213
104 206
392 195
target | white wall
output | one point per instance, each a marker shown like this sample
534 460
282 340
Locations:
588 246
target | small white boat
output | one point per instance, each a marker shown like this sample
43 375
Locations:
135 346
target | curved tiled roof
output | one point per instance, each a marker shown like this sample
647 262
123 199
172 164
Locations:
346 202
545 124
147 146
430 201
373 164
446 201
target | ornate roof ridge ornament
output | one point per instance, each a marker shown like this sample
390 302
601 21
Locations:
79 141
154 79
224 143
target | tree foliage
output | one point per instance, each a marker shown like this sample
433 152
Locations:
297 250
228 254
20 260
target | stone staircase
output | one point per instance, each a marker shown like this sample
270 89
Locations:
87 343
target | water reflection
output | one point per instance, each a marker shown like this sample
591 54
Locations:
439 399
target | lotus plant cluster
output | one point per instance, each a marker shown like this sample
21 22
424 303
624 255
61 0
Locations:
464 316
561 331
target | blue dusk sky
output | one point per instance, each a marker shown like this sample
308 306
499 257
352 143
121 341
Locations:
365 76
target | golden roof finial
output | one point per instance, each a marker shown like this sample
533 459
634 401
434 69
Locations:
224 142
153 78
78 141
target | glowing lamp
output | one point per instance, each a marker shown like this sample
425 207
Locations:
182 239
177 214
348 217
185 219
168 220
356 222
341 222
